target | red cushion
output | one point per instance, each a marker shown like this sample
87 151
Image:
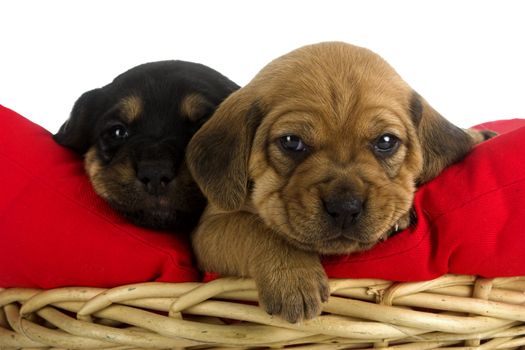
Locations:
471 220
55 231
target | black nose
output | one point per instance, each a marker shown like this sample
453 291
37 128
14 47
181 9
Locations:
155 175
343 210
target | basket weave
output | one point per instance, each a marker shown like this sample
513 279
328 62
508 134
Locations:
453 311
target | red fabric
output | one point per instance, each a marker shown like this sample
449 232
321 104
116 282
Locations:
55 231
471 220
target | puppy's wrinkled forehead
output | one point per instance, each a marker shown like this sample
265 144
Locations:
334 81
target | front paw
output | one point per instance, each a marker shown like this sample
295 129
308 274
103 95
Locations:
481 135
403 222
294 294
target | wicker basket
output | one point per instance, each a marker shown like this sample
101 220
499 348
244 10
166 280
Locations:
452 311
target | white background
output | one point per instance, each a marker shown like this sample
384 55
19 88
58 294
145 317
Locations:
466 58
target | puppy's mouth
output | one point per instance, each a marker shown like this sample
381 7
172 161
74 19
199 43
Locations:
315 233
157 203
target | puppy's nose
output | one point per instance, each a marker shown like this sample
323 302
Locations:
155 175
343 210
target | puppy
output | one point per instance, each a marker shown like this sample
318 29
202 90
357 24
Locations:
134 132
319 154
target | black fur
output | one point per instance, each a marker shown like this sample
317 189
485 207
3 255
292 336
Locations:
155 147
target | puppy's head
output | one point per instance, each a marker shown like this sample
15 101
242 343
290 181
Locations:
134 133
326 144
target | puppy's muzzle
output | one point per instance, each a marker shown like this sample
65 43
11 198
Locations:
155 176
343 210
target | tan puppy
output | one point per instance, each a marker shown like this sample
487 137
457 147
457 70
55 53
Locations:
319 154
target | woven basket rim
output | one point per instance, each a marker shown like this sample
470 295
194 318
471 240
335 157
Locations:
448 312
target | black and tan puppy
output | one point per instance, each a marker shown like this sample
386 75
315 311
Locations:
134 132
319 154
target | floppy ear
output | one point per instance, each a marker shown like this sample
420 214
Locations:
219 152
77 132
442 142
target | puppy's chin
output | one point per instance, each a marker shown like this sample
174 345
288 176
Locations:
324 240
160 218
166 212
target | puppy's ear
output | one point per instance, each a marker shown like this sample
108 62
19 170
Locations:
442 142
77 132
219 152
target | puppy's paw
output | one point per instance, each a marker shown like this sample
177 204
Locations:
481 135
404 221
294 294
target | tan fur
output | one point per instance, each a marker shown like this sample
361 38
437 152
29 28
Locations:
193 106
131 108
267 217
105 181
93 168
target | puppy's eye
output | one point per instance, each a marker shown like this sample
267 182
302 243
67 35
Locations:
292 143
386 144
119 132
